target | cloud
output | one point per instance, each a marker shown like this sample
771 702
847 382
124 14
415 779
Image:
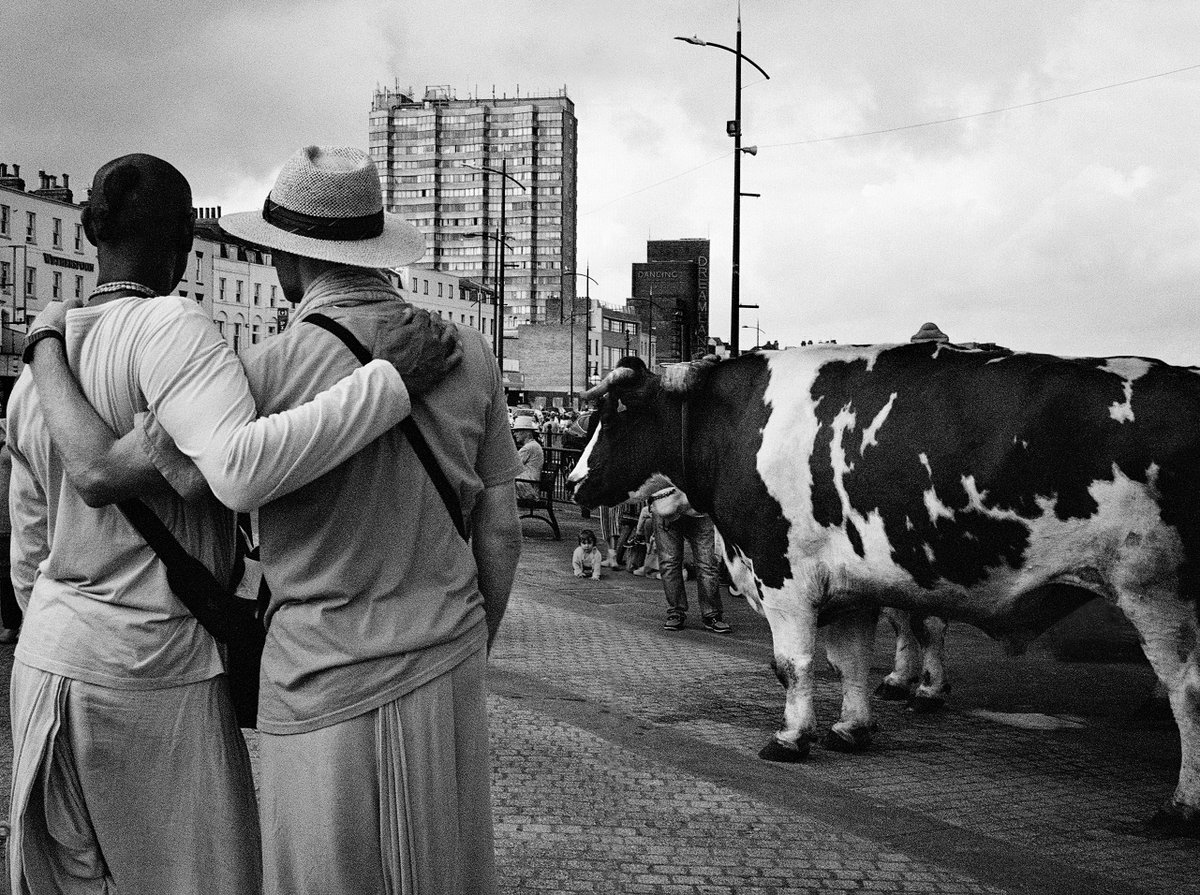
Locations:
1067 226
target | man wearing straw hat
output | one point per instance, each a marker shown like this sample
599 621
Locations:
129 771
372 712
532 457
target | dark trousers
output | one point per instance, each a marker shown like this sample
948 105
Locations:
697 531
10 612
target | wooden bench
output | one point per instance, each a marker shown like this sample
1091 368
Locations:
542 506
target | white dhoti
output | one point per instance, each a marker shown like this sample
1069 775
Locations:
137 792
394 801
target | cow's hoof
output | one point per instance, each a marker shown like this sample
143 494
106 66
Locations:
853 740
777 751
926 705
893 692
1177 821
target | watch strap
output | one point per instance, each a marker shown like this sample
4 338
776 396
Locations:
40 335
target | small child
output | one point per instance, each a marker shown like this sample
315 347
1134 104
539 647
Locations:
587 558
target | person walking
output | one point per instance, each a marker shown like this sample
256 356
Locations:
696 529
129 771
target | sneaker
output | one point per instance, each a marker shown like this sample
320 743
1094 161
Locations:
716 626
673 623
641 573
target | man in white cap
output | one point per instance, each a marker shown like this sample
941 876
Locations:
531 455
129 771
372 713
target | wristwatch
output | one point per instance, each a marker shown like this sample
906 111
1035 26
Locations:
32 339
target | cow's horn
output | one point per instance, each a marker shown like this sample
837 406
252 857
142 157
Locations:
618 374
679 378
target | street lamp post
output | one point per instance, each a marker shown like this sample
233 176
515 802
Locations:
735 127
587 326
757 332
497 291
24 283
503 242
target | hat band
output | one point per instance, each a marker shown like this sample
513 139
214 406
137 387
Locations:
368 226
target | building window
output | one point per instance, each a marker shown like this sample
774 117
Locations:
199 261
4 272
237 291
56 233
56 286
221 289
272 296
257 296
4 220
79 237
427 287
31 227
30 282
440 290
78 286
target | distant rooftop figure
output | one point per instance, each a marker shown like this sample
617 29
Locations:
929 332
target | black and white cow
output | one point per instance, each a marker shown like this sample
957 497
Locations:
992 487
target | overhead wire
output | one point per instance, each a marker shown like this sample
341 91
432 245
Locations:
903 127
659 183
950 120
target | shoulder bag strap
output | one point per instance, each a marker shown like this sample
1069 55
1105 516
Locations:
407 425
189 579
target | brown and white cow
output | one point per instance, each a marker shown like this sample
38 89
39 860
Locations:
992 487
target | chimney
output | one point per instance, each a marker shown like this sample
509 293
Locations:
13 181
51 190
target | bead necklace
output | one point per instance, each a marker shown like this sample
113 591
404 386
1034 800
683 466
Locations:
124 286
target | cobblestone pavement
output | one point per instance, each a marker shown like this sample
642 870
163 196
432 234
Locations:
625 760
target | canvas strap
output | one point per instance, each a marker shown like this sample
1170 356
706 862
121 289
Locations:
407 425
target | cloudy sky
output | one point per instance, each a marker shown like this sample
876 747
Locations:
1070 226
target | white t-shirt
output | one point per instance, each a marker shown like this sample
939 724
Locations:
97 604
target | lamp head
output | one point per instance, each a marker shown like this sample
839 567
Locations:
693 40
750 150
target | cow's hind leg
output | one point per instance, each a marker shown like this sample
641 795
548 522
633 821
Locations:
793 637
931 693
848 644
1169 633
900 683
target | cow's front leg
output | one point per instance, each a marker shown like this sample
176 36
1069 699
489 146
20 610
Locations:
848 643
899 685
1170 635
793 636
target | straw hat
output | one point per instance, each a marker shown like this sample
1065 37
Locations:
525 422
327 204
929 332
